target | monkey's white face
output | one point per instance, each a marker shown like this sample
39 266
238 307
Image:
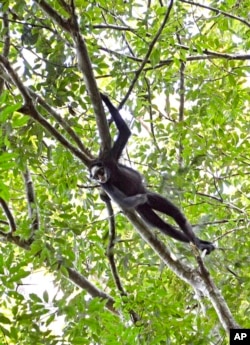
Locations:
99 173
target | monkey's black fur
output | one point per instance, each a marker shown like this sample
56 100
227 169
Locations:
126 188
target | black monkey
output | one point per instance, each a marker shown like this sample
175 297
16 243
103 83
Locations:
125 186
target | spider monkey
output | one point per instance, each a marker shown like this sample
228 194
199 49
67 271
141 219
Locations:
125 186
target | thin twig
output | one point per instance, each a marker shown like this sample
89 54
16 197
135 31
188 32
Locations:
61 121
146 58
181 107
149 99
227 204
31 201
216 10
110 253
211 54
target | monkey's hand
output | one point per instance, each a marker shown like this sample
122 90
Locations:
133 201
141 199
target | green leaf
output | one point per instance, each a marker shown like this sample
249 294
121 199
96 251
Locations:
46 296
19 120
4 319
8 110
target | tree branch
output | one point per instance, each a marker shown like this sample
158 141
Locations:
53 14
6 47
85 284
209 55
40 100
150 110
9 215
32 207
110 254
30 110
146 58
74 276
212 54
213 9
216 298
9 237
227 204
197 279
71 26
62 122
181 107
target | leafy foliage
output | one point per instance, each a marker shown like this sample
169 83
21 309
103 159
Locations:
189 113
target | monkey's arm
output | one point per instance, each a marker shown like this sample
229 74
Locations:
124 131
123 200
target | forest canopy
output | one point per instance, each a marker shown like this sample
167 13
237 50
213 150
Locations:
179 73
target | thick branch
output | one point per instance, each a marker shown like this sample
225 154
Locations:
87 71
9 237
81 281
53 14
216 298
197 279
9 215
71 26
6 47
30 110
40 100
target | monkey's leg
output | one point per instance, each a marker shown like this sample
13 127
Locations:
154 220
161 204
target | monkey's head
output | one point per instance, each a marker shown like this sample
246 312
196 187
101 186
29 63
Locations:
99 173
